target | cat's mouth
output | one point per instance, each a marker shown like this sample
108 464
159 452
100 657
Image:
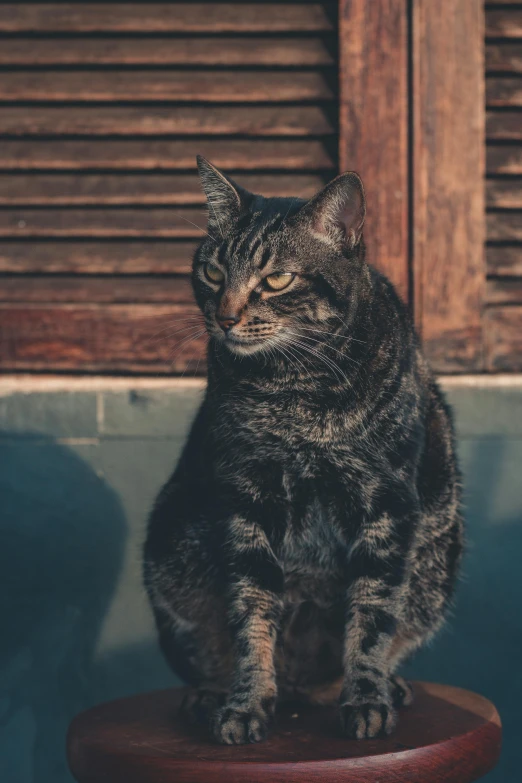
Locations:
244 345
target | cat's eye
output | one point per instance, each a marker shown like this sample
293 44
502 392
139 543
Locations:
279 280
213 274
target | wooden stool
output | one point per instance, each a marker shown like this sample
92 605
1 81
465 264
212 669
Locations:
449 735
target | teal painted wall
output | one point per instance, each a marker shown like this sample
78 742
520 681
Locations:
79 470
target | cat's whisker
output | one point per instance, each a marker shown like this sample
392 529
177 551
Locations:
167 335
182 217
333 334
186 341
327 361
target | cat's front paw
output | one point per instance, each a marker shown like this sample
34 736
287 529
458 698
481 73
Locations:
369 720
234 726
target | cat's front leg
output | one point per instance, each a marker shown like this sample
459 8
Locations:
254 606
376 596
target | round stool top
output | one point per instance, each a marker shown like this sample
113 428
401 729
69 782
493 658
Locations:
448 735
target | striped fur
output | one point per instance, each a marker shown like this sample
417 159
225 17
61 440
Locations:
310 536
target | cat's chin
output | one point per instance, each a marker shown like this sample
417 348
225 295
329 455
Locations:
242 347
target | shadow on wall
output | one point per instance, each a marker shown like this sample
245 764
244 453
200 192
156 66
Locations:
62 532
480 647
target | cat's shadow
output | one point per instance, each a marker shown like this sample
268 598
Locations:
62 531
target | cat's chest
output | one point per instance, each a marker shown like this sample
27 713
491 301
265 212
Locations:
313 553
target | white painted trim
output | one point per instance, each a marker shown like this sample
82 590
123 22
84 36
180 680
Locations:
31 384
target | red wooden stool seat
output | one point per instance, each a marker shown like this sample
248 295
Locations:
448 735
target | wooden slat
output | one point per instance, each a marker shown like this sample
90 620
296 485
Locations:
502 260
96 189
504 24
504 125
504 159
504 193
109 289
505 226
310 51
28 222
503 339
97 258
102 338
166 17
166 155
231 86
500 292
448 171
374 124
504 57
181 120
504 91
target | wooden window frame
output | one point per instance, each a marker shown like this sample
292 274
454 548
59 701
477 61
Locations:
412 123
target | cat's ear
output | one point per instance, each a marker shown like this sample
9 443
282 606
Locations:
336 214
226 201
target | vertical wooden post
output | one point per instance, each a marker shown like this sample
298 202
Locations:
374 124
448 180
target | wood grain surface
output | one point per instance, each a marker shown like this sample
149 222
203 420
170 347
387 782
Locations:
132 338
107 189
504 260
448 171
503 339
231 154
187 17
373 125
179 120
222 50
96 257
173 85
448 736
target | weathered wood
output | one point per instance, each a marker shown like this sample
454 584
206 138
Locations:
499 292
231 86
110 289
503 159
504 260
124 189
254 50
448 735
504 57
448 171
374 124
504 193
153 222
181 120
97 258
504 125
167 155
504 24
101 338
503 91
503 339
505 226
187 17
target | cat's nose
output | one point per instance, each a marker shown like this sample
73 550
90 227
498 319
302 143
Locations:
226 322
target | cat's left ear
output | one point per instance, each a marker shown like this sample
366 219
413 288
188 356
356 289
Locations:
226 200
336 214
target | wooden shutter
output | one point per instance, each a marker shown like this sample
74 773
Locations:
103 107
503 316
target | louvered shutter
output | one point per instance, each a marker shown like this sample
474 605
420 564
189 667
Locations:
503 316
103 109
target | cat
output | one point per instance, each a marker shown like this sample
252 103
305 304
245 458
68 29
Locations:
310 537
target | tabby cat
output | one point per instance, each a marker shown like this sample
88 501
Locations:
310 536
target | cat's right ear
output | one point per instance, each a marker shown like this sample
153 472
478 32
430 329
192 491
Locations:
226 201
336 214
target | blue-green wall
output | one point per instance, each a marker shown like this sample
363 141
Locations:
79 467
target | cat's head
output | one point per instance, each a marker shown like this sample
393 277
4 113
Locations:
272 268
